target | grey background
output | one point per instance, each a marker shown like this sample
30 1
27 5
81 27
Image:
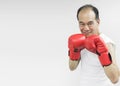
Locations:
33 39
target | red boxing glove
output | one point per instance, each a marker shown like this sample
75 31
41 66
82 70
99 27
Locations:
75 45
96 45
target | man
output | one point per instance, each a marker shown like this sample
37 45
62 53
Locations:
95 51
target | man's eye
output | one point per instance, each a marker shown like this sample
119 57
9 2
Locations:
90 23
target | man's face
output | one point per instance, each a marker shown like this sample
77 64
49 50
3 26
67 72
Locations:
87 22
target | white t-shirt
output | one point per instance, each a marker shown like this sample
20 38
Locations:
92 72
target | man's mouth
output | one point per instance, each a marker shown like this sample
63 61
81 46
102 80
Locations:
86 32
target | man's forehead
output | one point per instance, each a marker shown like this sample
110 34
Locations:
86 22
86 19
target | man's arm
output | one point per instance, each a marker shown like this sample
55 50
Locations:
112 71
73 64
75 45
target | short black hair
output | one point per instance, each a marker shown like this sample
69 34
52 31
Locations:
94 9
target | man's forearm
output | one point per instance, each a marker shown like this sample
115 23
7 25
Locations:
73 64
112 72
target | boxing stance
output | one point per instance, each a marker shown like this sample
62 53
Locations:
94 50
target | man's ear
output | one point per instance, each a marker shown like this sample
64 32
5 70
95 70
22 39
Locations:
98 21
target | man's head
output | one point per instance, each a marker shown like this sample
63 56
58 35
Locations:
88 18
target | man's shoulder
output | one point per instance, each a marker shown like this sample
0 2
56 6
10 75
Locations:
107 39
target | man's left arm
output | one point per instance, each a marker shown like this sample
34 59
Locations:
112 71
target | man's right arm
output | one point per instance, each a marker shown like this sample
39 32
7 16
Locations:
75 45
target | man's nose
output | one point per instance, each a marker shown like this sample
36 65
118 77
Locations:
86 27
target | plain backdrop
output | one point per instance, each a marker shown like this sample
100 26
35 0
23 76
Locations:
33 39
